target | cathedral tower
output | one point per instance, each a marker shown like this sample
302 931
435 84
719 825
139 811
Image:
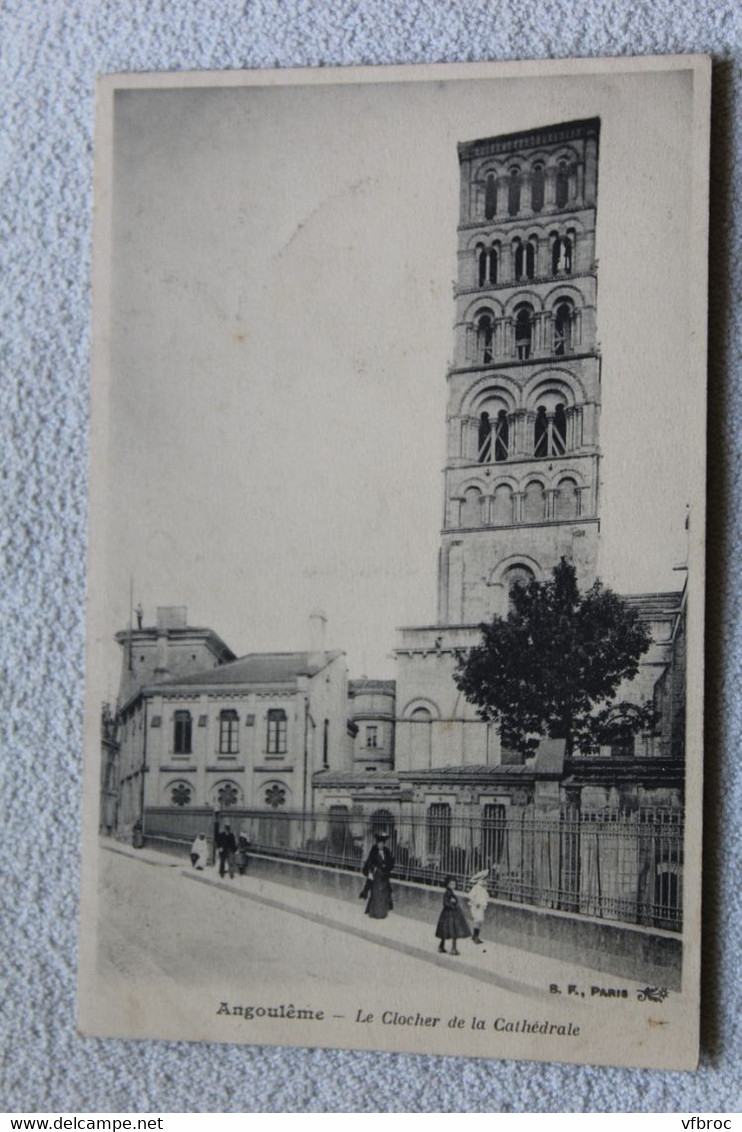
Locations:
522 463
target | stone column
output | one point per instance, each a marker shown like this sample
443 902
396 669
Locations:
550 500
518 506
542 257
550 187
506 263
526 198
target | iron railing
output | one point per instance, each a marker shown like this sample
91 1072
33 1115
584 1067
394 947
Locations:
611 864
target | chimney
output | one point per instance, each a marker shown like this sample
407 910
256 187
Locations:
168 617
317 623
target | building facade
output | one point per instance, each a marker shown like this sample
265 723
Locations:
201 730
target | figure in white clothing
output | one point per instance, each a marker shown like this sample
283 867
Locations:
200 852
478 898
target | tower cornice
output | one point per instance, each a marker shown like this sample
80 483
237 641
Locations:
530 139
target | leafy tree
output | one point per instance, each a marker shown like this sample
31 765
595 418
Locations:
553 665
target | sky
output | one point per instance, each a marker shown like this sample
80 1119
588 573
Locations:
281 319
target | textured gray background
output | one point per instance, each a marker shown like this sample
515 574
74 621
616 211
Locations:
50 52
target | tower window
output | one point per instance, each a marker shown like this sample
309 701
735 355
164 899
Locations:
487 261
471 511
517 576
562 184
550 432
523 332
534 503
276 731
372 735
485 336
485 438
502 505
490 196
566 500
493 438
561 255
525 260
514 192
563 329
228 732
537 188
502 432
182 733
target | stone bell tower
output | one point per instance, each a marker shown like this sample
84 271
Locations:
522 466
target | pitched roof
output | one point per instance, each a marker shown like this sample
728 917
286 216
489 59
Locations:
256 668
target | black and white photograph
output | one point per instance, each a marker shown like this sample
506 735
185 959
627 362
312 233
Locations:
394 730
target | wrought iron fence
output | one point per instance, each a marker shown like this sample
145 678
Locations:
615 865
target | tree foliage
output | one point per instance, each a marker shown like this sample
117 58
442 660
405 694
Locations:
554 664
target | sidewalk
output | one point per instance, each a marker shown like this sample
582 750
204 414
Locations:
524 973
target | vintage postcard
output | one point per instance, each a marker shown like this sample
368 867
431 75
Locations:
395 652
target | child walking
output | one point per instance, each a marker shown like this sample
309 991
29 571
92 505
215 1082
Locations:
478 898
451 922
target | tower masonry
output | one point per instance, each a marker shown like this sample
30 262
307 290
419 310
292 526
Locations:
521 476
522 463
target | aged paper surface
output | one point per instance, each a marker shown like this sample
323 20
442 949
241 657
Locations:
381 355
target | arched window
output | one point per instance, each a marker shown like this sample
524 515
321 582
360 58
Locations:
523 331
487 264
421 738
340 837
482 264
540 433
229 732
438 825
514 192
566 500
550 432
517 577
490 196
485 334
493 833
525 259
561 256
559 432
382 821
502 505
518 259
534 500
502 436
492 265
182 733
485 439
537 187
563 329
562 184
471 510
276 732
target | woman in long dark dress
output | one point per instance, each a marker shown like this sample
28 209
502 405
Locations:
378 869
451 922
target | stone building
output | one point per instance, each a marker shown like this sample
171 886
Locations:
201 730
